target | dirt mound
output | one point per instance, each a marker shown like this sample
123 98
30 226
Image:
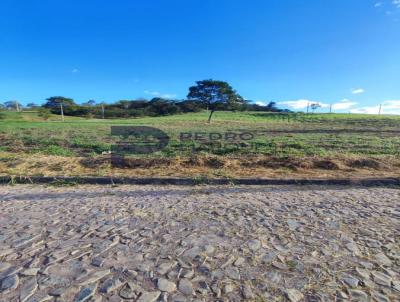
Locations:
365 163
326 165
278 163
127 162
95 162
210 162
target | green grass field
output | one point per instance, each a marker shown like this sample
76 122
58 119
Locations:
283 143
275 134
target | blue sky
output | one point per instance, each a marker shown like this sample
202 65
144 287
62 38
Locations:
342 52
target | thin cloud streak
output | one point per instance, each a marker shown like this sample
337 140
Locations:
160 95
357 91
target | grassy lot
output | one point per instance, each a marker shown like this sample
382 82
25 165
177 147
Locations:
294 141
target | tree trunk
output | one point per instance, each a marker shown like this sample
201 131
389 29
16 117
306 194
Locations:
209 118
62 112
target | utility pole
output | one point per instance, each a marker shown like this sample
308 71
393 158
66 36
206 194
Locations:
17 106
102 111
380 109
330 108
62 112
308 106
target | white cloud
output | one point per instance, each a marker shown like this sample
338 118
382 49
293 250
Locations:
343 105
393 104
396 3
366 110
75 70
302 104
155 93
260 103
387 107
160 95
168 96
378 4
357 91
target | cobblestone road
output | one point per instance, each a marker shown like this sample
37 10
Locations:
144 243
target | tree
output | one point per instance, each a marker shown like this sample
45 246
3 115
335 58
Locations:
56 101
89 103
124 104
215 95
315 106
31 106
44 113
10 105
160 106
60 105
2 107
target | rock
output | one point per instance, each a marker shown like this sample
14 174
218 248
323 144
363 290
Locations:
228 288
239 261
247 292
363 273
269 257
28 289
165 285
216 290
382 259
33 271
163 268
144 267
209 249
203 287
217 274
349 280
86 293
293 224
342 295
293 295
4 266
380 297
149 296
185 287
178 298
97 261
39 297
9 283
163 297
358 295
353 247
233 273
58 292
13 270
6 251
381 278
186 273
280 265
396 285
273 277
193 252
96 276
110 285
130 291
254 245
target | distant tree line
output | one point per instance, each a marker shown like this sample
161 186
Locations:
205 95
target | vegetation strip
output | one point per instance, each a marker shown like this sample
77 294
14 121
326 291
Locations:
6 180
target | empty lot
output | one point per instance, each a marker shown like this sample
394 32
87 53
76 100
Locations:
205 243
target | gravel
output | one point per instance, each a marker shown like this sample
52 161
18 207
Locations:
201 243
